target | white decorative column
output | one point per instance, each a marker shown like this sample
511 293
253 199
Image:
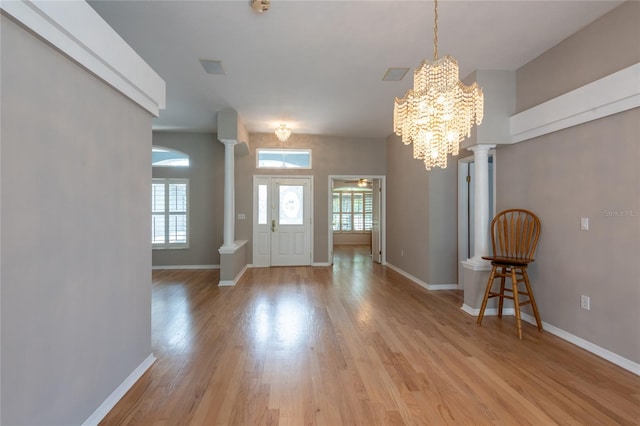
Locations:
481 202
229 195
476 269
233 254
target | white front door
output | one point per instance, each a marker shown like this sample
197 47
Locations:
282 221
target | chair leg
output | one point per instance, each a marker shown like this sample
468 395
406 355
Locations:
516 302
527 283
501 302
486 295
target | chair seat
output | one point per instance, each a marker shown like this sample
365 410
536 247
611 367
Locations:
507 261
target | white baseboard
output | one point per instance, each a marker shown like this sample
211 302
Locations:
421 283
564 335
161 267
119 392
231 283
487 312
320 264
618 360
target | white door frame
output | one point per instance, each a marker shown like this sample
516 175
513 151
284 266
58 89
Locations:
463 209
271 178
383 211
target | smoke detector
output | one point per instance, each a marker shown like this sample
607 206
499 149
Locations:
260 5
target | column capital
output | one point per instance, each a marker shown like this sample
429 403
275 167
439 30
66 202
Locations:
481 147
228 141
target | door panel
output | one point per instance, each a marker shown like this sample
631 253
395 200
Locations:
291 216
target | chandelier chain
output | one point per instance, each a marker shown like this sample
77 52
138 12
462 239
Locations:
435 31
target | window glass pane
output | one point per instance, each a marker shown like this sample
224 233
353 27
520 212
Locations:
336 202
336 221
262 204
358 222
346 203
368 221
346 222
357 203
166 157
157 197
157 229
291 210
177 228
368 202
284 158
177 197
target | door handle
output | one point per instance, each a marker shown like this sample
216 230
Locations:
273 225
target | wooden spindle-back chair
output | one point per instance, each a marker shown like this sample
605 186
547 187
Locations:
514 237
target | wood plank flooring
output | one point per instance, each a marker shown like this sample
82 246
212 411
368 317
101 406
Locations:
356 344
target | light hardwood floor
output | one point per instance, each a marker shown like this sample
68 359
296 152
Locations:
357 344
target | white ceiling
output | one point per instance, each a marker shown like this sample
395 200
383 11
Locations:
318 65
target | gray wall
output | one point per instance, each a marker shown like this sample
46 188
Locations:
206 197
331 156
590 170
421 215
76 255
607 45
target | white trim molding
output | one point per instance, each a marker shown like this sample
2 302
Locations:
487 312
612 357
609 95
231 283
119 392
430 287
163 267
616 359
80 33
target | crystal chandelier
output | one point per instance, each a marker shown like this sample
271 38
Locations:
283 132
438 113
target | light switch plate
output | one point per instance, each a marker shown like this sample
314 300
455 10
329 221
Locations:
584 223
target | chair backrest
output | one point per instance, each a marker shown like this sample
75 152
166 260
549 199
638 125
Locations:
514 234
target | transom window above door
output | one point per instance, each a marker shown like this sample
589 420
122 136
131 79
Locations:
268 158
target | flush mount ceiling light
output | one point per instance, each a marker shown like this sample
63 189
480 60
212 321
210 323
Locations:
438 113
283 132
260 5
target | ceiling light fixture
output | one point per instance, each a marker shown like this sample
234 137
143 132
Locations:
260 5
362 183
438 113
283 132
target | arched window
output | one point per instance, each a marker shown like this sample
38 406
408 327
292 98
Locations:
167 157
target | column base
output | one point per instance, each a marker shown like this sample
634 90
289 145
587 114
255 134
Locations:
476 274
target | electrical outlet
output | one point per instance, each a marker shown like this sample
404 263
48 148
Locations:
585 302
401 252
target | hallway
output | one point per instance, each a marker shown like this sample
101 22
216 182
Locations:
359 344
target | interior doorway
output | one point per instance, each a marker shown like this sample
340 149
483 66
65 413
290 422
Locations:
283 217
357 214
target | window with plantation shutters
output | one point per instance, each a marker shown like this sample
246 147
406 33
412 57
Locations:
352 211
169 213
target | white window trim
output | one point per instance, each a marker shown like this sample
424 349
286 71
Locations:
167 245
